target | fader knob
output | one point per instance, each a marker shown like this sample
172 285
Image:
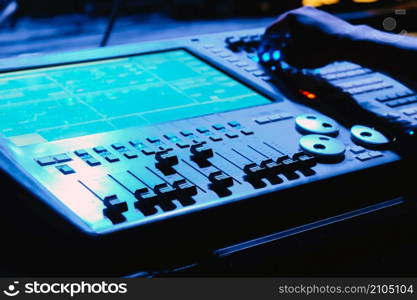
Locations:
201 152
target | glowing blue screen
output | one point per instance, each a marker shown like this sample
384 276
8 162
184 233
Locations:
80 99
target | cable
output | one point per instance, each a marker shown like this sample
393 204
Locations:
112 20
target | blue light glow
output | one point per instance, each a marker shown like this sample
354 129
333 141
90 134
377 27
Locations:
266 56
276 55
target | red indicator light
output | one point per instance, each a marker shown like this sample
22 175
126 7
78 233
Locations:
308 95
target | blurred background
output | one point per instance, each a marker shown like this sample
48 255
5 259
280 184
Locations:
38 26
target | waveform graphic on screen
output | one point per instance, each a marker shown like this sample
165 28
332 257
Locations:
72 100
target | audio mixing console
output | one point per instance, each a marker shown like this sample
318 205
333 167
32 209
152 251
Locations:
118 138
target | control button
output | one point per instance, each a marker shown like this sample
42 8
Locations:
114 208
165 191
146 202
262 120
363 156
233 43
201 152
92 162
153 139
315 124
45 161
304 160
218 127
148 151
216 138
285 116
202 130
220 180
171 137
65 169
275 117
367 136
252 170
165 159
164 148
61 158
182 144
322 145
81 153
112 158
185 188
271 167
357 149
186 133
242 65
99 149
130 154
165 194
246 132
234 124
232 135
118 146
137 144
375 154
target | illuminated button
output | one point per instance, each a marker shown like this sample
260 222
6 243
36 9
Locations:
92 162
111 158
262 120
368 136
153 139
81 153
130 154
218 127
234 123
246 132
99 149
62 158
45 161
183 144
118 146
170 136
202 130
186 133
216 138
65 169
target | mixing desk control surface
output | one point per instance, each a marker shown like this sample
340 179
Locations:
121 137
